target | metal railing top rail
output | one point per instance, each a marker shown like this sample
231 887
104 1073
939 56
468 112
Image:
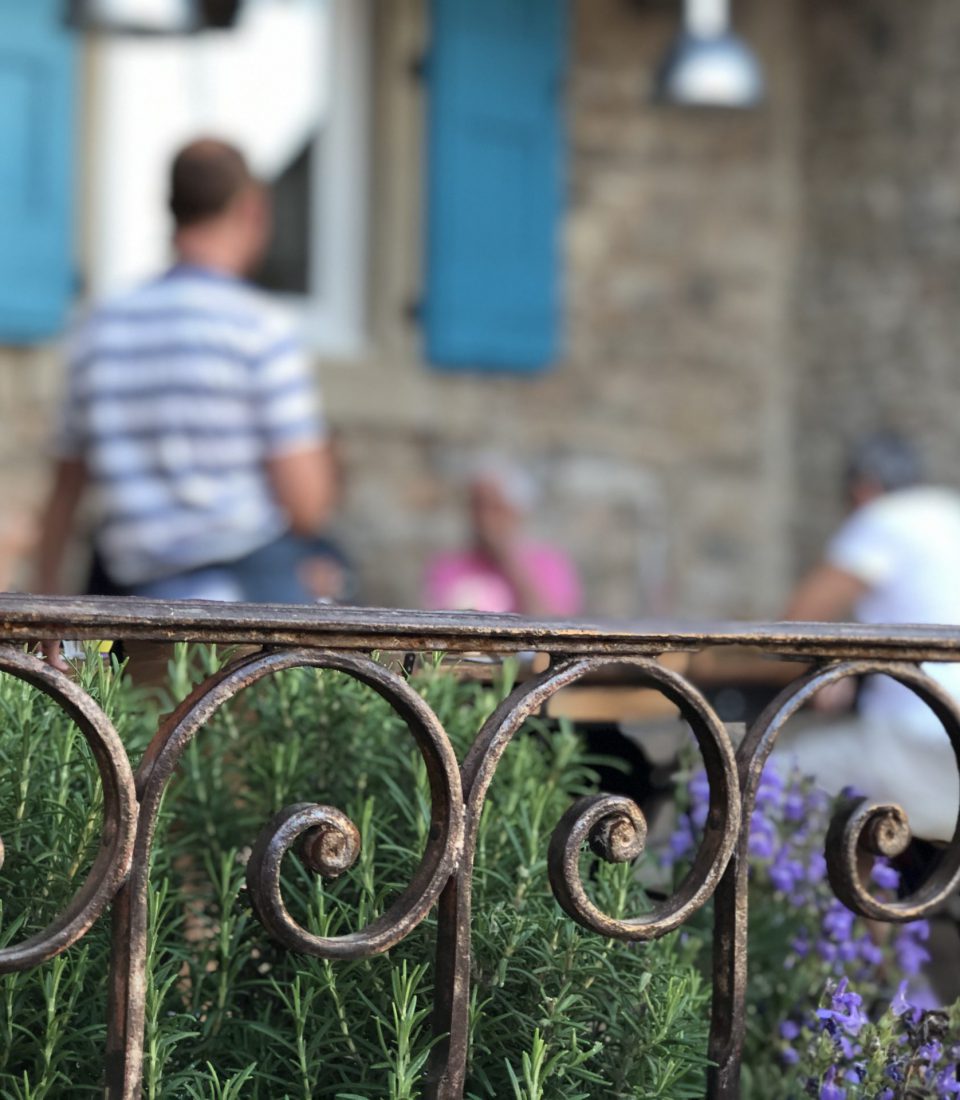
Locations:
28 617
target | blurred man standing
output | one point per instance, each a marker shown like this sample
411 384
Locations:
895 559
190 414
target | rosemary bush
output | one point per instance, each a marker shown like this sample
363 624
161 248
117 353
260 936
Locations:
556 1012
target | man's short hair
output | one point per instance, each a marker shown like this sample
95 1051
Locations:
886 459
206 177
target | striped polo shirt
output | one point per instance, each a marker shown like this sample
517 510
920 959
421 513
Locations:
177 394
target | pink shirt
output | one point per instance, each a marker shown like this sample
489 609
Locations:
466 581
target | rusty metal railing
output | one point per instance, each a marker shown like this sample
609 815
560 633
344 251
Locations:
343 639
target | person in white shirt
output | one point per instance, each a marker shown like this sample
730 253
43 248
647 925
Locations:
896 559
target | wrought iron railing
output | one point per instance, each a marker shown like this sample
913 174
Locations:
343 639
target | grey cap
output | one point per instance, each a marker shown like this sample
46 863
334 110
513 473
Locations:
887 459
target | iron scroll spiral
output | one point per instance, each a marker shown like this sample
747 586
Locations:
326 838
112 862
862 825
616 830
615 826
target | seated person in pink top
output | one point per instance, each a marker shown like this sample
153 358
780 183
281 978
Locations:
502 571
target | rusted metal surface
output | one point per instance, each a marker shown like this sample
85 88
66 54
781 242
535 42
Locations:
328 842
366 629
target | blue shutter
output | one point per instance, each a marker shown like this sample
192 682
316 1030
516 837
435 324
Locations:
36 161
496 183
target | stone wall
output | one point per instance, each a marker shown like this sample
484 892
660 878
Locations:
29 381
881 272
662 443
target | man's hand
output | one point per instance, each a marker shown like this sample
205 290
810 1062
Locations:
836 698
53 652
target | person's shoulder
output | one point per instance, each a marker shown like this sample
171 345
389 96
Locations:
906 507
93 319
245 299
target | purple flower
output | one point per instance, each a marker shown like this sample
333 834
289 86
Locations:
681 840
789 1030
800 946
900 1005
794 806
911 954
885 876
870 953
770 789
947 1083
816 868
829 1090
827 950
848 1048
838 922
761 836
699 789
848 950
845 1009
785 873
698 814
930 1052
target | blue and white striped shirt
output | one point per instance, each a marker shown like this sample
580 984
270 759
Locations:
178 393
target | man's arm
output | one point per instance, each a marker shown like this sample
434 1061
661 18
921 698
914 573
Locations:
56 527
304 484
826 594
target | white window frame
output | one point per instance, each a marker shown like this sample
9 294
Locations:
334 311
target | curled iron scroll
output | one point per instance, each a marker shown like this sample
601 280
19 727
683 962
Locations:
112 861
863 826
327 839
614 825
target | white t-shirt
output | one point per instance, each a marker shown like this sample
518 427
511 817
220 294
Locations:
906 546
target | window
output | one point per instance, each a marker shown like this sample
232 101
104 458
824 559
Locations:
289 84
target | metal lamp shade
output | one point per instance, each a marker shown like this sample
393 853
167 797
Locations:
710 72
708 65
